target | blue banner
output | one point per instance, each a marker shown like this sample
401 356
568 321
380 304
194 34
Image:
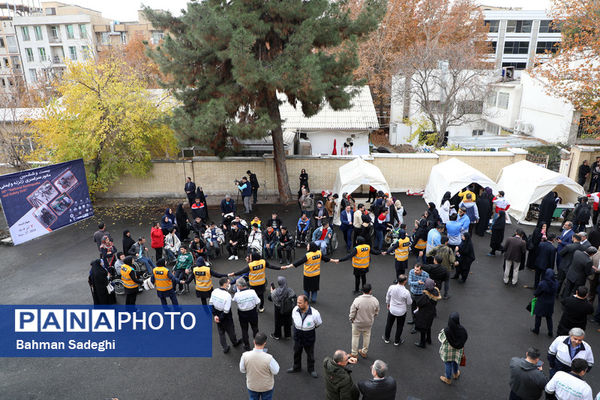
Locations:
41 200
107 331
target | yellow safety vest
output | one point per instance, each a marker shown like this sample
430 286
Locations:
401 252
203 281
421 244
161 277
257 277
126 279
361 259
312 266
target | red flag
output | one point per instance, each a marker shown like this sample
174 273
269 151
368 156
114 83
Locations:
334 152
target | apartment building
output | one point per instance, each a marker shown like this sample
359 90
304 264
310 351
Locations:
117 34
518 37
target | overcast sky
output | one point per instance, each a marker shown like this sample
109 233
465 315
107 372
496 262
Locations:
126 10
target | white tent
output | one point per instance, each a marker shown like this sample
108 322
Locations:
525 183
452 176
355 173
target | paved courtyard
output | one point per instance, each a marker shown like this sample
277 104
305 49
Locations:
53 270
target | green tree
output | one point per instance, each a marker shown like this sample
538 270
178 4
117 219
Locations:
229 59
103 115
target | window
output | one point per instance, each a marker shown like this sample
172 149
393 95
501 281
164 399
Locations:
25 33
105 38
54 30
1 43
490 100
493 47
38 32
29 53
546 47
2 82
515 65
6 62
493 25
435 106
51 11
492 128
42 52
123 38
70 32
516 47
33 75
73 53
518 26
83 31
157 37
85 52
477 132
470 107
546 26
16 63
12 44
503 100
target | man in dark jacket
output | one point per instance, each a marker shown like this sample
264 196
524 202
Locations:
575 311
546 254
514 248
227 206
338 382
564 258
527 381
438 273
580 268
190 190
254 184
381 387
582 214
583 172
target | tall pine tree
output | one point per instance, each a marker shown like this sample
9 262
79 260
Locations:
228 59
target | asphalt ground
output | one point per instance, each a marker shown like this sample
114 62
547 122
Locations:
53 270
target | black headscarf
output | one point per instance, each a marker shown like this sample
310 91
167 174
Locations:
500 222
447 197
455 333
127 241
433 215
466 247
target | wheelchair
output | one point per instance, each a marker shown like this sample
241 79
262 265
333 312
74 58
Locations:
301 240
140 270
291 249
333 243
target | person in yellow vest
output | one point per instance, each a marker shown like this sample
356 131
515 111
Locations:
312 270
257 277
361 258
463 194
202 275
164 281
401 249
130 280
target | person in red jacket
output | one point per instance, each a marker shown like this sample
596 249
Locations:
157 240
595 197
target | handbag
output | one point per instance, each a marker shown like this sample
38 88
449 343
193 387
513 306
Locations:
463 360
110 288
531 306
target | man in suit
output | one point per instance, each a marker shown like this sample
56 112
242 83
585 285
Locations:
544 258
565 237
190 190
565 256
575 311
381 387
579 270
347 220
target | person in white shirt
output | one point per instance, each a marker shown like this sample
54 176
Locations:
566 349
260 368
570 385
255 239
306 320
247 301
220 300
398 301
172 245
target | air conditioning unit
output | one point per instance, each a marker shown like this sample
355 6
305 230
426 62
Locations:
508 74
528 128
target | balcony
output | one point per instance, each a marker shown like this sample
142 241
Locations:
57 60
54 39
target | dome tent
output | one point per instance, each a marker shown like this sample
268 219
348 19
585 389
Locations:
452 176
525 183
355 173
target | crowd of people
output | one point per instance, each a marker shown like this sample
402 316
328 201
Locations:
186 246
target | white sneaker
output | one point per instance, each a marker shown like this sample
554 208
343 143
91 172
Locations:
231 258
236 257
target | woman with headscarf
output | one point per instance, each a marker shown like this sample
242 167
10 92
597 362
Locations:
465 255
181 218
283 318
544 306
433 215
484 207
365 230
167 221
452 338
425 312
127 241
445 207
420 237
400 211
497 233
534 243
108 254
594 236
303 181
547 207
98 281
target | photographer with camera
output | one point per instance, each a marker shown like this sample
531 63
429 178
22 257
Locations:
246 190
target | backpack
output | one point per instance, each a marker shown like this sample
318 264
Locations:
288 304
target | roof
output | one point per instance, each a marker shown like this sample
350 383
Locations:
495 141
360 116
14 115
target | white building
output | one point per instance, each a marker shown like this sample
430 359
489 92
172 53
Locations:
519 36
46 41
